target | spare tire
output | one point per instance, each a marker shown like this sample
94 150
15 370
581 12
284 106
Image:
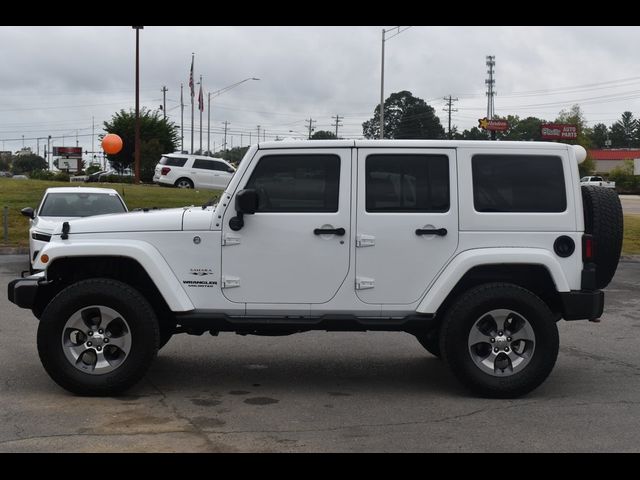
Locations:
604 221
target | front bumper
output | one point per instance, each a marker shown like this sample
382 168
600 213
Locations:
23 291
582 304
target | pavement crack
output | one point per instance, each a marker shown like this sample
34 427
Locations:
376 425
195 429
71 435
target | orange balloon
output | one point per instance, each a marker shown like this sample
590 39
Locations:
112 144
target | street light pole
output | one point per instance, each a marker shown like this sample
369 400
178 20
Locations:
398 31
137 128
382 90
217 93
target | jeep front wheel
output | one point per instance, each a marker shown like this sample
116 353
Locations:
98 337
500 340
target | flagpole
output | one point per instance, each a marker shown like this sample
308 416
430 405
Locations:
181 120
200 108
192 97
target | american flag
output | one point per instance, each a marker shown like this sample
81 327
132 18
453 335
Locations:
191 85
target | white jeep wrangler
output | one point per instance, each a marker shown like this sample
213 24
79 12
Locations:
476 248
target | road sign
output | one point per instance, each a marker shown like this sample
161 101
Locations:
69 152
493 125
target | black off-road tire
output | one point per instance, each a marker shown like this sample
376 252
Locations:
108 293
430 340
604 220
471 306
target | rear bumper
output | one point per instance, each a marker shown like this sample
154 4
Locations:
23 291
582 304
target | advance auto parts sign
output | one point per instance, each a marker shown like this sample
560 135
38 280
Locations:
556 131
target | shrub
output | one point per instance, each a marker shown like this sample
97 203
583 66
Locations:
626 181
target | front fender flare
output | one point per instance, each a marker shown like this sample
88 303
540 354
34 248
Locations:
142 252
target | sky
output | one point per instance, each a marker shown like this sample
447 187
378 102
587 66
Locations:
59 81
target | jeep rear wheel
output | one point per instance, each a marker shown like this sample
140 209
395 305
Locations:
500 340
98 337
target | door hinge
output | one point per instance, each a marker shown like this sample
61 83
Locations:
230 239
230 282
365 241
363 283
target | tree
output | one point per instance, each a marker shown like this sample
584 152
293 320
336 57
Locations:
22 164
235 155
152 127
323 135
574 116
5 161
405 116
526 130
474 134
599 135
150 153
624 133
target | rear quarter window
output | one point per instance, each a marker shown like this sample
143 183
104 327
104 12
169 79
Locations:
518 183
173 162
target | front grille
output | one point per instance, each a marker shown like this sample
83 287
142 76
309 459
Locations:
41 236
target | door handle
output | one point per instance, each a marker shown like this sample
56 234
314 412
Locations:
440 232
330 231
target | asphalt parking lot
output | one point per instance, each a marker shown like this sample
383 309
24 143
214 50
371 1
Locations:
327 392
630 204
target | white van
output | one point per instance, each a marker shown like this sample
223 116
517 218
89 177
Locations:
193 171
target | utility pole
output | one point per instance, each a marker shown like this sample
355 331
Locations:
191 85
249 138
201 108
164 101
93 127
258 133
337 124
181 120
209 122
311 122
449 109
241 140
226 126
137 127
491 83
77 138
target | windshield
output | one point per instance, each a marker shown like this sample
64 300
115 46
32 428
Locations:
80 204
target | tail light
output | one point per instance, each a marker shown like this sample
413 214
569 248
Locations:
588 249
165 170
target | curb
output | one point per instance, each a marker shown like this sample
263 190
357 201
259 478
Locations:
14 251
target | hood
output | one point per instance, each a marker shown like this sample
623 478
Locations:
48 224
149 221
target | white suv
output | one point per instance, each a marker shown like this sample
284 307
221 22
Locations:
193 171
476 248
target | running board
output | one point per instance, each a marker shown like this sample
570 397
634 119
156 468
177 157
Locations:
198 322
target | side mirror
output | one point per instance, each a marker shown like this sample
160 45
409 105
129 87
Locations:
246 204
28 212
231 170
